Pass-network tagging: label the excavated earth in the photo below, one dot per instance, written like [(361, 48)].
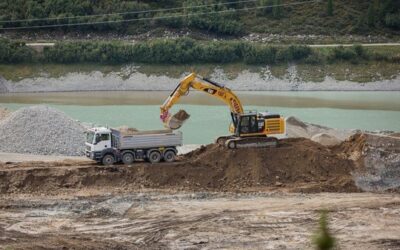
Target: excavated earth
[(271, 199), (298, 164)]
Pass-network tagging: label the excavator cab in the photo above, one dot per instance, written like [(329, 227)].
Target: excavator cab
[(247, 124)]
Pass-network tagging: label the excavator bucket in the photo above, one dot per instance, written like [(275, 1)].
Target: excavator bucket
[(176, 121)]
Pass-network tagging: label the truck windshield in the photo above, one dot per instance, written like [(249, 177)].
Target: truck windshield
[(90, 137)]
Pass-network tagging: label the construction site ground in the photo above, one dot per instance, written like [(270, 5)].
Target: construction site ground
[(212, 197)]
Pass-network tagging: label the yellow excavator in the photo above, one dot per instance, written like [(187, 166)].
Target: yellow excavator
[(248, 129)]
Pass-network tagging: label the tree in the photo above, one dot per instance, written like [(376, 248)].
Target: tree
[(371, 15), (329, 8), (266, 10), (277, 9)]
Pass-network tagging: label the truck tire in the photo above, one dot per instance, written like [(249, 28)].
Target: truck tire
[(155, 156), (169, 156), (108, 159), (128, 158)]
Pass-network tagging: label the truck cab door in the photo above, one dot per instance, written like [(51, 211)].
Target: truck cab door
[(103, 141)]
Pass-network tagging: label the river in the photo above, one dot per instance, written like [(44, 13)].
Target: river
[(377, 110)]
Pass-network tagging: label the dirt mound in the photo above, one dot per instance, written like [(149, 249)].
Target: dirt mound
[(321, 134), (296, 160), (298, 164)]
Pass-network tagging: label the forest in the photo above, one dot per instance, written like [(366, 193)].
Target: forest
[(222, 17)]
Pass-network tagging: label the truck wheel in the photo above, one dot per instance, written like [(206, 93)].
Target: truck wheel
[(155, 156), (108, 160), (128, 158), (169, 156)]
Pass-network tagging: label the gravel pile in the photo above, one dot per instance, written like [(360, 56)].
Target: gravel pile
[(4, 113), (41, 130)]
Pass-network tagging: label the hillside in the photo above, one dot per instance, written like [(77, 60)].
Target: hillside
[(226, 18)]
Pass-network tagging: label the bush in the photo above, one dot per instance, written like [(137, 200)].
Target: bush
[(220, 52), (360, 51), (293, 53), (315, 58), (323, 240), (15, 52), (342, 53), (258, 54)]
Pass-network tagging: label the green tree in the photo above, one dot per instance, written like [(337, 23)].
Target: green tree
[(329, 8), (371, 15), (323, 239), (277, 9), (267, 10)]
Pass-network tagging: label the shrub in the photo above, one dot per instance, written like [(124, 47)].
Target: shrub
[(315, 58), (220, 52), (258, 54), (360, 51), (15, 52), (293, 53), (298, 52), (323, 240), (341, 53)]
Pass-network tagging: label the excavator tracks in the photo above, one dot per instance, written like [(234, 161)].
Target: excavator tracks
[(222, 139), (252, 142)]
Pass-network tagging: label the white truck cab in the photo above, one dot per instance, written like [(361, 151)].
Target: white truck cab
[(98, 139), (109, 146)]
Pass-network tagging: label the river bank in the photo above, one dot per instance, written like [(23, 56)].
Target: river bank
[(292, 77)]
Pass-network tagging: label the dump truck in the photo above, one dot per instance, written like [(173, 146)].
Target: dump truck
[(109, 146)]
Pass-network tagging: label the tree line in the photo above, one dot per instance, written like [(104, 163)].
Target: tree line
[(188, 14), (182, 51)]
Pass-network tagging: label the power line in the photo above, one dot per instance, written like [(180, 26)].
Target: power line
[(156, 18), (125, 13)]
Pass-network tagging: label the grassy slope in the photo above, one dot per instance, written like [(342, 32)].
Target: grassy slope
[(312, 19), (301, 19)]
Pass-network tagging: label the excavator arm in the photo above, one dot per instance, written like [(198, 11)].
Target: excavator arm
[(201, 84)]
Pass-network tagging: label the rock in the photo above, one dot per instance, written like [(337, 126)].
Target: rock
[(4, 113), (3, 87)]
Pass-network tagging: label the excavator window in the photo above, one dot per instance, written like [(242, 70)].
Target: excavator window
[(248, 124), (244, 124)]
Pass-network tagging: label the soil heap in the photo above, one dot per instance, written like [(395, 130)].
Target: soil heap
[(298, 164)]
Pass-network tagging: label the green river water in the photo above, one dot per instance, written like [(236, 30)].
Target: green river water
[(209, 118)]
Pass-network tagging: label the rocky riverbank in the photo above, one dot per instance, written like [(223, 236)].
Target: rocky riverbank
[(245, 80)]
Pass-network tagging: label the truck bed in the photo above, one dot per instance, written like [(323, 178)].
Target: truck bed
[(147, 139)]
